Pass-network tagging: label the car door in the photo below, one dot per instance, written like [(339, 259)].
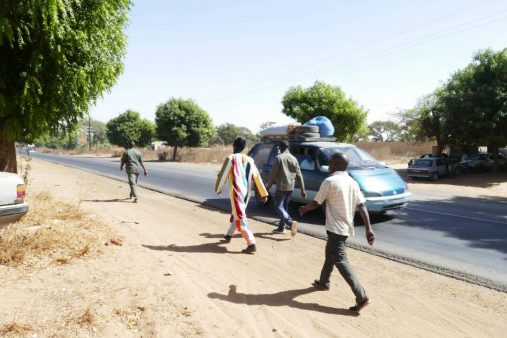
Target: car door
[(263, 155), (441, 167), (312, 176)]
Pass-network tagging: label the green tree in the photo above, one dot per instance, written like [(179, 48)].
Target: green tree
[(475, 102), (58, 57), (228, 132), (182, 123), (384, 131), (130, 127), (322, 99)]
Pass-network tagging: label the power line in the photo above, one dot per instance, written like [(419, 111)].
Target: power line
[(390, 50)]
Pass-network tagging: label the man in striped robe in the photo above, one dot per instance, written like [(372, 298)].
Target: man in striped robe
[(240, 170)]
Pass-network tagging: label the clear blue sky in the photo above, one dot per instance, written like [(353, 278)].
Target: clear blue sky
[(237, 58)]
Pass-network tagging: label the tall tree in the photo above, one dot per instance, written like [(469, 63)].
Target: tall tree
[(384, 131), (58, 56), (475, 100), (183, 123), (228, 132), (325, 100), (129, 126)]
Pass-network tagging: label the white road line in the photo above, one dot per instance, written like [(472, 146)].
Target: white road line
[(460, 216)]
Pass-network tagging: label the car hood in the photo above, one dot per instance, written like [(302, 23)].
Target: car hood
[(384, 181)]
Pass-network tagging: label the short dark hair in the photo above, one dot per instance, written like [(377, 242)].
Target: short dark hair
[(283, 145), (239, 144)]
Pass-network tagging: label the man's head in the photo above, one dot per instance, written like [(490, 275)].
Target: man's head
[(130, 144), (283, 146), (338, 162), (238, 145)]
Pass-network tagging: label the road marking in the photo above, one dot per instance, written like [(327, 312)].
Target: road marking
[(460, 216)]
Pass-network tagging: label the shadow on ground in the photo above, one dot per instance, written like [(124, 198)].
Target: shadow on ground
[(283, 298)]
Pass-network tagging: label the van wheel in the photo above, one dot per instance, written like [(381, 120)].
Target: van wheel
[(434, 177)]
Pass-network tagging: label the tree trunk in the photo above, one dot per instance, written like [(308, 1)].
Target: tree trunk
[(175, 150), (7, 153)]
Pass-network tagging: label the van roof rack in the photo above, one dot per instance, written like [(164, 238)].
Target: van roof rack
[(296, 138)]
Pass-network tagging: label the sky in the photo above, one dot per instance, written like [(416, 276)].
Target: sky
[(237, 58)]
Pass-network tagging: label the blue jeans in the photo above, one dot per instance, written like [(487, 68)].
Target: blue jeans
[(282, 199)]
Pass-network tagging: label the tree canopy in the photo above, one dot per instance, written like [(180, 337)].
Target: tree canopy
[(130, 127), (228, 132), (57, 58), (475, 101), (183, 123), (384, 131), (322, 99)]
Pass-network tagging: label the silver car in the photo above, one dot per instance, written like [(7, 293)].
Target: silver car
[(12, 198)]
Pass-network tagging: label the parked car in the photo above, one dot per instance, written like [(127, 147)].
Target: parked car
[(12, 198), (382, 187), (480, 162), (432, 168)]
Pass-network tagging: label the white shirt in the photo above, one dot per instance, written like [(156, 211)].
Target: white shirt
[(341, 194)]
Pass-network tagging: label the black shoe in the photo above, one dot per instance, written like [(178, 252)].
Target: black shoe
[(359, 305), (227, 239), (279, 231), (319, 285), (249, 249)]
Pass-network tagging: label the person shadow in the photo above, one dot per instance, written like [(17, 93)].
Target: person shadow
[(110, 200), (266, 235), (214, 247), (283, 298)]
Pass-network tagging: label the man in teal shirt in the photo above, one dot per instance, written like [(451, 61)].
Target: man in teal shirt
[(132, 160)]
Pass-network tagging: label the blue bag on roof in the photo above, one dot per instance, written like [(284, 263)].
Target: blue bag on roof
[(326, 128)]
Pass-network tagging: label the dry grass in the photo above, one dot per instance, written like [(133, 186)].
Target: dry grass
[(15, 329), (51, 230), (395, 151)]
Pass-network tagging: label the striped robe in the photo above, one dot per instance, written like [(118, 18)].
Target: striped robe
[(240, 171)]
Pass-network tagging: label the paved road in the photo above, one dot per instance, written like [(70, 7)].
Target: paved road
[(462, 237)]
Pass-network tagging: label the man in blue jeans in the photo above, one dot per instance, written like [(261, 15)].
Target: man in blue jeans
[(284, 174)]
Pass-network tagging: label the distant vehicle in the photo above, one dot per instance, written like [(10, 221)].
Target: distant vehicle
[(12, 198), (480, 162), (431, 168), (382, 187)]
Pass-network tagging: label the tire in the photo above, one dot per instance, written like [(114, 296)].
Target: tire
[(307, 129), (308, 135), (434, 177)]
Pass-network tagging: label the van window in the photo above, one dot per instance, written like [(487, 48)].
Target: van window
[(439, 162), (260, 154)]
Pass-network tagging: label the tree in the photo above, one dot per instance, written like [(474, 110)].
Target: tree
[(266, 124), (325, 100), (384, 131), (58, 57), (130, 127), (475, 102), (183, 123), (228, 132)]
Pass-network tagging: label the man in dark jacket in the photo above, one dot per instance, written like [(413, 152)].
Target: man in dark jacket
[(284, 174), (132, 160)]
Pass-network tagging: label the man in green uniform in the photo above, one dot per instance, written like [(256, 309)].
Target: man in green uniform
[(133, 161)]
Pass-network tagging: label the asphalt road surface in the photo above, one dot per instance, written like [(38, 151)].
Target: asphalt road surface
[(462, 237)]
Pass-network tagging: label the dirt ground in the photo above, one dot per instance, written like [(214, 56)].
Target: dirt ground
[(172, 278)]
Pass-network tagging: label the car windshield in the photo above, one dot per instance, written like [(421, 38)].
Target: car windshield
[(422, 163), (358, 159)]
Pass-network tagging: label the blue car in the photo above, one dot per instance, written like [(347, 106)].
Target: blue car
[(382, 187)]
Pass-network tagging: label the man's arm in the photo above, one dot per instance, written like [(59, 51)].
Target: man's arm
[(122, 162), (370, 235), (274, 173), (301, 181), (222, 175), (308, 207)]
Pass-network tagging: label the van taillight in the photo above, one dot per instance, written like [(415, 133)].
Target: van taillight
[(20, 193)]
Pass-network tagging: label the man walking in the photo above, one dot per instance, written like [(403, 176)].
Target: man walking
[(342, 195), (285, 172), (239, 169), (132, 160)]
